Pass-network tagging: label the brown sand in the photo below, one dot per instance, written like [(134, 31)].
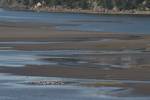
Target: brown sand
[(69, 39), (82, 72)]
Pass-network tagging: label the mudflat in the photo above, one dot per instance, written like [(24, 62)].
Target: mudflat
[(98, 55), (30, 49)]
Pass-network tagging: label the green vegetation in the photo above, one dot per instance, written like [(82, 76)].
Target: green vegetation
[(81, 4)]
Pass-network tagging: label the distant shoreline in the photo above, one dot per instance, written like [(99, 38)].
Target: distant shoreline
[(136, 13), (97, 13)]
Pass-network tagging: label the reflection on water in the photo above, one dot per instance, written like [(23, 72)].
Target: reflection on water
[(77, 58), (35, 88), (15, 87), (14, 58)]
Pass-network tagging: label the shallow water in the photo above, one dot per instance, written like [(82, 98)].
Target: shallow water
[(33, 88), (74, 58), (82, 22), (26, 42), (15, 88)]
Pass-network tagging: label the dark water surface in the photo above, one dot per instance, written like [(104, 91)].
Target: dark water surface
[(82, 22)]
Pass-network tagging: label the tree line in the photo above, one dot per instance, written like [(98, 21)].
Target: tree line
[(83, 4)]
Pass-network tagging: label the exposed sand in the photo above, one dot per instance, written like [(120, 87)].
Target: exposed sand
[(68, 39), (82, 72)]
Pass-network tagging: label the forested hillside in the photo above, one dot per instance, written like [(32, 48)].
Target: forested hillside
[(80, 4)]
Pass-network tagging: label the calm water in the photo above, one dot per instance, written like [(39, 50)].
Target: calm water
[(82, 22)]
